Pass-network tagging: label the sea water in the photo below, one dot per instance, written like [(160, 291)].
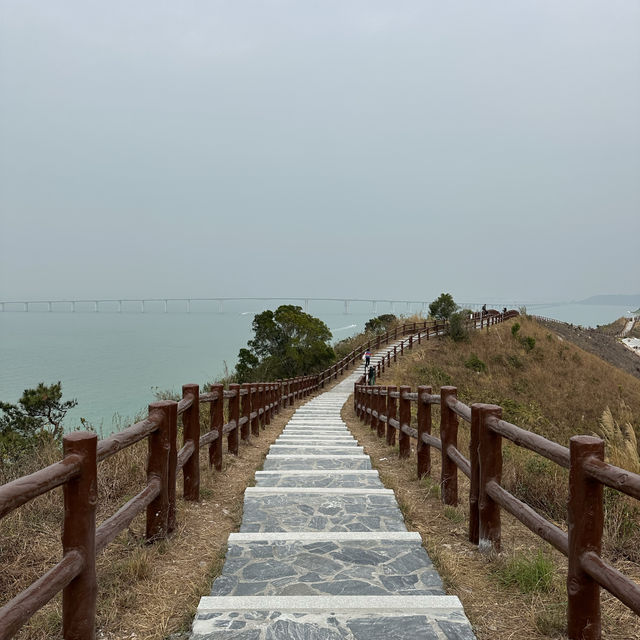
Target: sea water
[(112, 363)]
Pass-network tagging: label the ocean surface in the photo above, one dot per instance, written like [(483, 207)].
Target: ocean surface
[(113, 362)]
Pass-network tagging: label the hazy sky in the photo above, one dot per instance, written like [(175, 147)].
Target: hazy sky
[(319, 148)]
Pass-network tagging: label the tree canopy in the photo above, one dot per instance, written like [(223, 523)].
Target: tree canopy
[(287, 342), (443, 306), (380, 324), (39, 412)]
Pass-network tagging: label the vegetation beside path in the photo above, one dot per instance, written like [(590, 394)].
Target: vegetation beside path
[(548, 386)]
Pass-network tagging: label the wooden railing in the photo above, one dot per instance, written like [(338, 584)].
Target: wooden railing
[(248, 408), (387, 409)]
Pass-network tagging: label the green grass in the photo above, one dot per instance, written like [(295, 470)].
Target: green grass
[(528, 573), (451, 513)]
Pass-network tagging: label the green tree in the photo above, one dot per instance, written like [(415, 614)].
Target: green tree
[(287, 342), (380, 324), (39, 412), (443, 306)]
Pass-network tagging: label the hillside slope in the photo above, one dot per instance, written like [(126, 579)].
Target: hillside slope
[(555, 388)]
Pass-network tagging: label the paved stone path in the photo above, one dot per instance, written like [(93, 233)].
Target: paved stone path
[(323, 552)]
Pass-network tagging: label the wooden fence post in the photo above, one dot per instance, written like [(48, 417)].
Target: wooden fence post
[(367, 404), (401, 347), (490, 451), (474, 481), (585, 520), (424, 426), (191, 433), (272, 401), (216, 414), (374, 408), (173, 465), (392, 412), (395, 353), (404, 440), (267, 402), (382, 409), (234, 416), (255, 405), (158, 470), (245, 430), (449, 437), (79, 534)]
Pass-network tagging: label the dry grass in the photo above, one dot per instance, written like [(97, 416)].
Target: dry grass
[(145, 591)]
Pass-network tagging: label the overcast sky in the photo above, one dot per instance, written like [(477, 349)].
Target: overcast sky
[(319, 148)]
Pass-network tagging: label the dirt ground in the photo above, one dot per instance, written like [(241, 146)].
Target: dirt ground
[(594, 341)]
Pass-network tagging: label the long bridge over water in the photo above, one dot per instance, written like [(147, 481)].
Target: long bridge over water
[(217, 304)]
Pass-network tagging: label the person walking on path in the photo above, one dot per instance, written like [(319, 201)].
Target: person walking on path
[(367, 359)]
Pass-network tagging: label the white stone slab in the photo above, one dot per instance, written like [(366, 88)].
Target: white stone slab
[(315, 472), (288, 447), (321, 536), (320, 490), (321, 456), (395, 604)]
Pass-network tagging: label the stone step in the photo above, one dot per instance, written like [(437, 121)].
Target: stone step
[(302, 427), (307, 437), (332, 478), (331, 618), (308, 450), (323, 511), (324, 566), (297, 441), (317, 462)]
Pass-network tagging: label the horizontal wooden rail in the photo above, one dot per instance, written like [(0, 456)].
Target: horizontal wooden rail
[(125, 438), (22, 490), (119, 521), (614, 477)]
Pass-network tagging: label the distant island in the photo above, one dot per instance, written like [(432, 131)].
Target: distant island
[(612, 299)]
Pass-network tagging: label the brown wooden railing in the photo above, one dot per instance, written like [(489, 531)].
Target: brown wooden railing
[(387, 409), (248, 407)]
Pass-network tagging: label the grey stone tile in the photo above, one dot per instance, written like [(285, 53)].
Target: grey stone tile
[(354, 567)]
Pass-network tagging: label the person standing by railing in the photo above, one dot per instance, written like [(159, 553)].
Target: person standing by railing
[(371, 377)]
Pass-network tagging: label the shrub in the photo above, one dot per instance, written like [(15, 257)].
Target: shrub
[(434, 376), (515, 327), (528, 342), (475, 364), (515, 362), (457, 327)]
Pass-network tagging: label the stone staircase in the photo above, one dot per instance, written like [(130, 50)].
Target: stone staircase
[(323, 552)]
